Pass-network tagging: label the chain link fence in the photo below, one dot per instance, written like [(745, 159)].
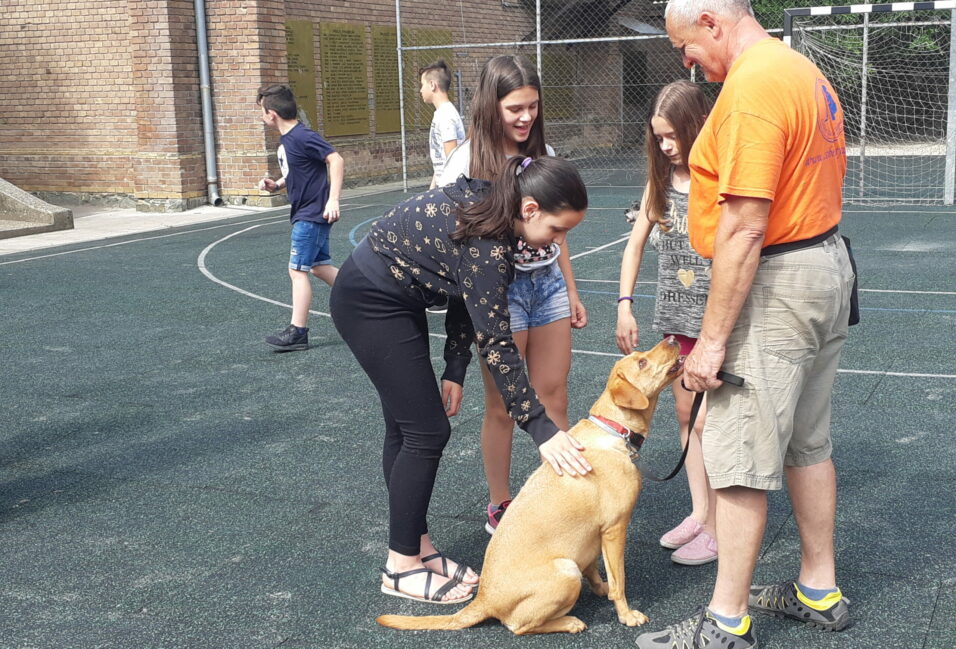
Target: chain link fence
[(891, 70), (601, 64)]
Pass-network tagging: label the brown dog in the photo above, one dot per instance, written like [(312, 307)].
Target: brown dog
[(556, 527)]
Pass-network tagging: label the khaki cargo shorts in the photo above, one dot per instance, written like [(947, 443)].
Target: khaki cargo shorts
[(786, 345)]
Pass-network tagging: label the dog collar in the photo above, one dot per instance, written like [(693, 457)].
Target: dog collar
[(633, 439)]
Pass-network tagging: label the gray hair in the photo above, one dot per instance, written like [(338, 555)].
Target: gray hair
[(686, 12)]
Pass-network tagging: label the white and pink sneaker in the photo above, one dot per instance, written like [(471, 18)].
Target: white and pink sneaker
[(703, 549), (682, 534)]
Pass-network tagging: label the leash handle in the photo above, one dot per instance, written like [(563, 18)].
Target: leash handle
[(726, 377), (733, 379)]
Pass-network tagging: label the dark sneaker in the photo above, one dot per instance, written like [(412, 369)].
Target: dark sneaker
[(289, 339), (495, 512), (699, 631), (831, 613)]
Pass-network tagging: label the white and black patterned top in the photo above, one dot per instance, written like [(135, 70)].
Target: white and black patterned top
[(526, 257), (683, 276), (413, 241)]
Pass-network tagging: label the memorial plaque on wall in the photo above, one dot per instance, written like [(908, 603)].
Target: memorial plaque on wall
[(300, 52), (410, 80), (344, 79), (558, 81), (385, 71)]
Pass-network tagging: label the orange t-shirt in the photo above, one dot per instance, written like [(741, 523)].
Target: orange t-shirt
[(775, 132)]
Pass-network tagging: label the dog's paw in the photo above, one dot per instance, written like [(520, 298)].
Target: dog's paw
[(633, 618), (576, 626)]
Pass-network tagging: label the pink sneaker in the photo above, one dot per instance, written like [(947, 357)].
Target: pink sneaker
[(703, 549), (682, 534), (495, 512)]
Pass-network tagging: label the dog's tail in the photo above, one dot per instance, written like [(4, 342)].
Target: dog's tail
[(466, 617)]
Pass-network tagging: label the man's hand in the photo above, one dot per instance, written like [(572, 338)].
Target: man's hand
[(701, 365), (331, 213), (451, 394), (268, 185)]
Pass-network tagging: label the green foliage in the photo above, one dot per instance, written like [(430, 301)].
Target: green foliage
[(770, 12), (926, 42)]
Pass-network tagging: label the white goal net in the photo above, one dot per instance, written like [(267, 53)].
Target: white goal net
[(892, 71)]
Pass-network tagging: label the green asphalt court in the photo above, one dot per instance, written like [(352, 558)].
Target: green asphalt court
[(167, 481)]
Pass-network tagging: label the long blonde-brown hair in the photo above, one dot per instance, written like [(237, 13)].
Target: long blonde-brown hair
[(499, 77), (685, 106)]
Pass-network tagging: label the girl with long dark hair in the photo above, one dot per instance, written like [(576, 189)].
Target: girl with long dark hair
[(453, 245)]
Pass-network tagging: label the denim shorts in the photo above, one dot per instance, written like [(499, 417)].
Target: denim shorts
[(538, 297), (310, 245), (786, 344)]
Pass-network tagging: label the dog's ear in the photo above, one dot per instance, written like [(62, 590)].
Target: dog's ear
[(625, 395)]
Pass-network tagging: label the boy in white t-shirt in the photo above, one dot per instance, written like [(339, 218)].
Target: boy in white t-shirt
[(447, 130)]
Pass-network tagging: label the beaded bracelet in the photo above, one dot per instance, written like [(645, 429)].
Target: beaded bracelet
[(626, 297)]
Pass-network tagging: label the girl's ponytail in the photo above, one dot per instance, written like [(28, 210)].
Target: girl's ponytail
[(554, 183)]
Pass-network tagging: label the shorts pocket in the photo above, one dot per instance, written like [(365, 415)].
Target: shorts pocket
[(792, 320)]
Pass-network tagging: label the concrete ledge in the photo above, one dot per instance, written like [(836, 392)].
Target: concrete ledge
[(18, 206), (10, 229)]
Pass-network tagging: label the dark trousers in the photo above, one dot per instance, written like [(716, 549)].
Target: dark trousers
[(387, 331)]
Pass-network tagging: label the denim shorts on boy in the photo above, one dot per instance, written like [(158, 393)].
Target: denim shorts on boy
[(786, 344), (310, 245), (538, 297)]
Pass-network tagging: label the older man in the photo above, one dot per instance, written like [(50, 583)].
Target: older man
[(765, 200)]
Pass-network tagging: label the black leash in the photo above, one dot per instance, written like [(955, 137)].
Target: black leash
[(726, 377)]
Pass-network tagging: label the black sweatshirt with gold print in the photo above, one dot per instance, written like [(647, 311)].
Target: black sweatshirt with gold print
[(412, 241)]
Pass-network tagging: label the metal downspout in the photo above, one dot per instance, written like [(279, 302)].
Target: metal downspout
[(208, 132)]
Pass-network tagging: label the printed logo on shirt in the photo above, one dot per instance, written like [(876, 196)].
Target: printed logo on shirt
[(283, 161), (830, 120), (676, 219)]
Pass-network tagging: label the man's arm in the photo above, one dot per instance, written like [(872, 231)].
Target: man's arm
[(739, 238), (336, 167)]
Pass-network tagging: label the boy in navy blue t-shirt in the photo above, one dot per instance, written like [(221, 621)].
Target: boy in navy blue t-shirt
[(312, 174)]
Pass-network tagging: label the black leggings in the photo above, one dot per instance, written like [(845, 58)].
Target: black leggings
[(387, 331)]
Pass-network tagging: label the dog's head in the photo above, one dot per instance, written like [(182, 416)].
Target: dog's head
[(635, 383)]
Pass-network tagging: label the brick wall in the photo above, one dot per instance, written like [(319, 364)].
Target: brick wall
[(102, 98), (67, 102)]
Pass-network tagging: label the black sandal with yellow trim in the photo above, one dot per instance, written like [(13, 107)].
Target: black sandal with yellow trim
[(429, 597)]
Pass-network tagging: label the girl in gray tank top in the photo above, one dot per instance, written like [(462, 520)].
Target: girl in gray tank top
[(683, 282)]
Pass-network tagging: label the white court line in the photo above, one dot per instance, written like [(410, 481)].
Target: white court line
[(606, 245), (123, 243), (895, 211), (906, 374), (886, 290), (174, 234), (201, 263), (871, 372), (606, 281), (862, 290)]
